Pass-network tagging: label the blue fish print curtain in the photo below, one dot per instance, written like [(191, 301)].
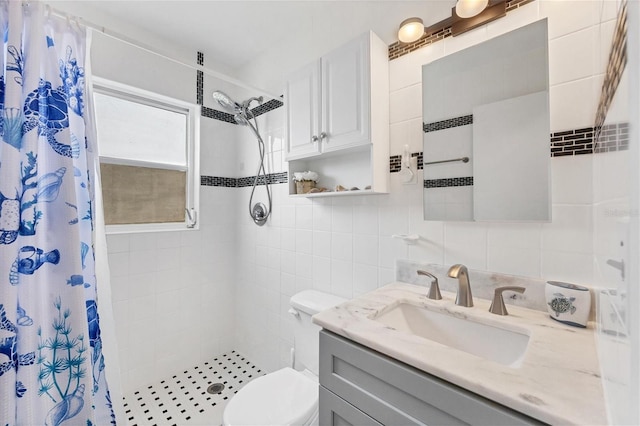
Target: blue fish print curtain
[(51, 363)]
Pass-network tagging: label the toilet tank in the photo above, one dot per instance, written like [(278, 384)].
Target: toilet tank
[(306, 334)]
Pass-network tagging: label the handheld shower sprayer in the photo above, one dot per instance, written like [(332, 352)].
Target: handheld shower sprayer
[(243, 115)]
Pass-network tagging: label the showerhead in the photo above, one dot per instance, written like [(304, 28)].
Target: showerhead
[(226, 102), (247, 103), (241, 119), (232, 106)]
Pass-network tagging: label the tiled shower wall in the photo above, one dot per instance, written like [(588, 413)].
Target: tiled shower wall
[(172, 292), (344, 245)]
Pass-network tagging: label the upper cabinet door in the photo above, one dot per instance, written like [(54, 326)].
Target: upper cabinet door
[(302, 100), (345, 116)]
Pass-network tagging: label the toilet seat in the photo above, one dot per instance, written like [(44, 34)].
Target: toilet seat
[(284, 397)]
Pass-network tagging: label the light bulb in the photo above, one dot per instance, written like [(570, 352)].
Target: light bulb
[(410, 30), (470, 8)]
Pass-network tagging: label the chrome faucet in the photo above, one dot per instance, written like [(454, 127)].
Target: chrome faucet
[(434, 289), (464, 297)]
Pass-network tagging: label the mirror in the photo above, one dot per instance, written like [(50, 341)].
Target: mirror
[(486, 153)]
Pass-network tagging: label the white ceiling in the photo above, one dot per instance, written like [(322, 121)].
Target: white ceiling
[(233, 32)]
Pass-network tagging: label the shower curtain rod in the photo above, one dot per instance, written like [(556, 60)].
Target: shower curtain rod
[(135, 43)]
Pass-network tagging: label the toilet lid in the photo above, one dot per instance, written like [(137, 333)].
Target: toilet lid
[(283, 397)]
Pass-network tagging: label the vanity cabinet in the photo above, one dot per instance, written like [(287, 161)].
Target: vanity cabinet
[(360, 386), (337, 111)]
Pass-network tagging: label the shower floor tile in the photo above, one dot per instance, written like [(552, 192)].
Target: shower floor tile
[(182, 399)]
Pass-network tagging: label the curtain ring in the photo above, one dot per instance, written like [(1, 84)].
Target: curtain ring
[(47, 11)]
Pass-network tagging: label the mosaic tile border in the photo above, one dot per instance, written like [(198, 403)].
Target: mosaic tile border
[(615, 67), (572, 142), (229, 118), (215, 114), (226, 182), (612, 137), (395, 162), (271, 179), (218, 181), (399, 49), (448, 182), (200, 80), (270, 105), (447, 124)]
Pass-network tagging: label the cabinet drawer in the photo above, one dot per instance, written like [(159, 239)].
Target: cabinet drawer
[(335, 411), (394, 393)]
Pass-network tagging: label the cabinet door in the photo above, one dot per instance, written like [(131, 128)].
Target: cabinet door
[(302, 99), (394, 393), (335, 411), (346, 96)]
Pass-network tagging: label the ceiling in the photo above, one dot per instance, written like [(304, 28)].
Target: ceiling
[(233, 32)]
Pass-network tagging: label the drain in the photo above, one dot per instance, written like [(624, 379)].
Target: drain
[(215, 388)]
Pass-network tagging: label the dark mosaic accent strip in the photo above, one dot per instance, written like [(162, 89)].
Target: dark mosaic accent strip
[(420, 159), (229, 118), (612, 137), (449, 182), (217, 115), (572, 142), (438, 33), (266, 107), (395, 163), (272, 179), (447, 124), (200, 80), (615, 67), (200, 87), (514, 4), (218, 181), (399, 49)]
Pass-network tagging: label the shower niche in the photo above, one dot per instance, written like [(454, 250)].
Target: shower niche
[(337, 110)]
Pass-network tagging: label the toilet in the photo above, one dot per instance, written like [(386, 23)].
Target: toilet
[(287, 396)]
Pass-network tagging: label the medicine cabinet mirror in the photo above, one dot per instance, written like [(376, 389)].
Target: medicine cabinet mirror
[(486, 130)]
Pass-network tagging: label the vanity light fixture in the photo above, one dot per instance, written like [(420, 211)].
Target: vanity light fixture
[(411, 30), (470, 8)]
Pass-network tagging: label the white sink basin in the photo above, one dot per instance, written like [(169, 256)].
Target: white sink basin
[(503, 346)]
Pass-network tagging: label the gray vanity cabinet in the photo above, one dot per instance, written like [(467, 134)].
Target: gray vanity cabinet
[(359, 386)]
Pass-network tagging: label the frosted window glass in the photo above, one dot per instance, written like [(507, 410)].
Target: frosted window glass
[(135, 131)]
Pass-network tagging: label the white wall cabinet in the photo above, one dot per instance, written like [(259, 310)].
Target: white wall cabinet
[(338, 117)]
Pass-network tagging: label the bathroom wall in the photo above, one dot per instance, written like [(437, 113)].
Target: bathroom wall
[(172, 291), (615, 233), (345, 246)]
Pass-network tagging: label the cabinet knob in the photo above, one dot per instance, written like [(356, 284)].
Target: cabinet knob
[(323, 135), (314, 138)]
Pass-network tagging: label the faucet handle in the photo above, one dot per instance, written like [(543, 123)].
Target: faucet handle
[(434, 289), (497, 305)]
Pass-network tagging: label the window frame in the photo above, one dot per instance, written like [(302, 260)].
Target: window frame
[(192, 113)]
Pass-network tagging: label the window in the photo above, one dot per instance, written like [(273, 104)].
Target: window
[(148, 147)]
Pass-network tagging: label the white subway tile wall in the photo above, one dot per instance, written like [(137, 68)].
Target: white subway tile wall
[(353, 250), (182, 297)]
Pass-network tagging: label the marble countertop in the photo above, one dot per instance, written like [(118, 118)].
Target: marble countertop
[(558, 381)]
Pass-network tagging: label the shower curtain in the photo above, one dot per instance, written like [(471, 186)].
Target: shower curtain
[(51, 365)]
